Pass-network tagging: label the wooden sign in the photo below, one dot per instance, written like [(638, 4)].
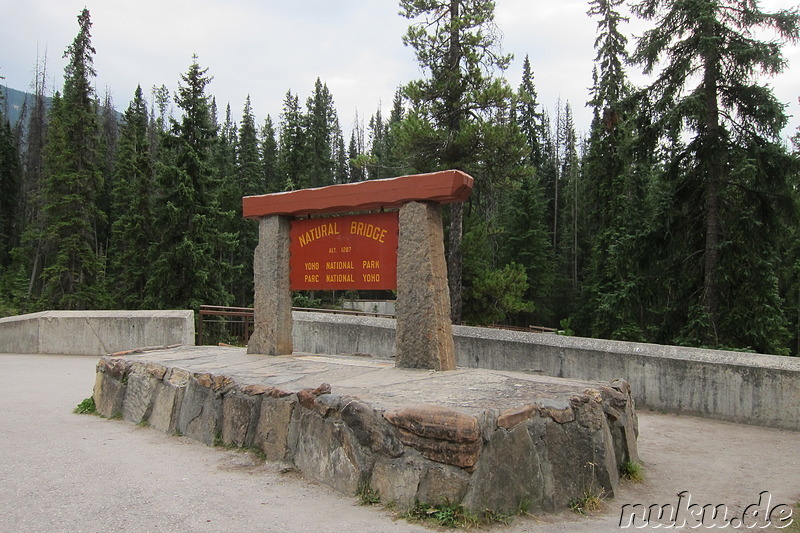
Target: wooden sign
[(344, 253)]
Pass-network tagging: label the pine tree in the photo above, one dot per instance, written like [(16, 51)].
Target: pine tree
[(320, 124), (615, 191), (456, 44), (132, 229), (356, 151), (33, 249), (224, 160), (189, 259), (340, 162), (248, 161), (73, 276), (249, 170), (729, 180), (392, 160), (10, 189), (270, 181), (291, 147), (109, 137), (573, 199), (527, 115), (377, 143)]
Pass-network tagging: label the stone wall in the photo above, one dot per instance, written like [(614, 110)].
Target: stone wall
[(738, 387), (539, 454), (94, 332)]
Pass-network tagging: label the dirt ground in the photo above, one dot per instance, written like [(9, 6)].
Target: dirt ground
[(65, 472)]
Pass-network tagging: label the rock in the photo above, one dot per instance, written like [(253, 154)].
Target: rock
[(436, 422), (579, 454), (439, 434), (277, 393), (487, 422), (463, 454), (371, 429), (326, 450), (272, 429), (139, 393), (156, 370), (397, 480), (167, 399), (442, 484), (308, 397), (424, 331), (562, 416), (201, 410), (327, 404), (511, 418), (240, 415), (116, 367), (272, 334), (504, 485), (255, 390), (623, 423), (108, 394)]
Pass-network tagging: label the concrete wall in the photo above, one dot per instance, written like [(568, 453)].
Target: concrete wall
[(381, 307), (739, 387), (94, 332)]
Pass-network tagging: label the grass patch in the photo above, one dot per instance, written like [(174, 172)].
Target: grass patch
[(453, 516), (258, 452), (632, 471), (86, 407), (219, 442), (588, 502), (367, 496)]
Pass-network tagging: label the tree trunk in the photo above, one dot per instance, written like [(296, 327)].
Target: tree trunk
[(711, 161), (455, 261), (454, 255)]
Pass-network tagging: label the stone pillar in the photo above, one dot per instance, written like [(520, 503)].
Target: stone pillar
[(424, 332), (273, 298)]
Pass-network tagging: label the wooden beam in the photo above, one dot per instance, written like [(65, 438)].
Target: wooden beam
[(442, 187)]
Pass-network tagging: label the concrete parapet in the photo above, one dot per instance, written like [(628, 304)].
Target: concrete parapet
[(343, 334), (739, 387), (94, 332)]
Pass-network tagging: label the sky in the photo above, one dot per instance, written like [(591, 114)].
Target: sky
[(263, 48)]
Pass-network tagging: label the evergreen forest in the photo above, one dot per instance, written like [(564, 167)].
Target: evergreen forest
[(673, 220)]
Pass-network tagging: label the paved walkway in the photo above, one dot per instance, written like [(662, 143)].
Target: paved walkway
[(73, 473)]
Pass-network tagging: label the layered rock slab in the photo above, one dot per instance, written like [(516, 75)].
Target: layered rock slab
[(485, 439)]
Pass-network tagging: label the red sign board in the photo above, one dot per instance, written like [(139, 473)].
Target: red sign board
[(343, 253)]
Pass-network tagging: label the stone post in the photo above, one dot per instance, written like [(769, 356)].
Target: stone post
[(273, 298), (424, 332)]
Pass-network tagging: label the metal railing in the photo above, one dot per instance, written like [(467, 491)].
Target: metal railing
[(230, 325)]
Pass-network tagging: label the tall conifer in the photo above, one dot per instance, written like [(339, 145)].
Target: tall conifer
[(456, 43), (73, 276), (731, 179), (190, 259), (132, 228)]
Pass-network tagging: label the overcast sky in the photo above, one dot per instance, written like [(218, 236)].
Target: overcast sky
[(265, 47)]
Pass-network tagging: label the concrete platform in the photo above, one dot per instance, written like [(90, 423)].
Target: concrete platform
[(487, 439)]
